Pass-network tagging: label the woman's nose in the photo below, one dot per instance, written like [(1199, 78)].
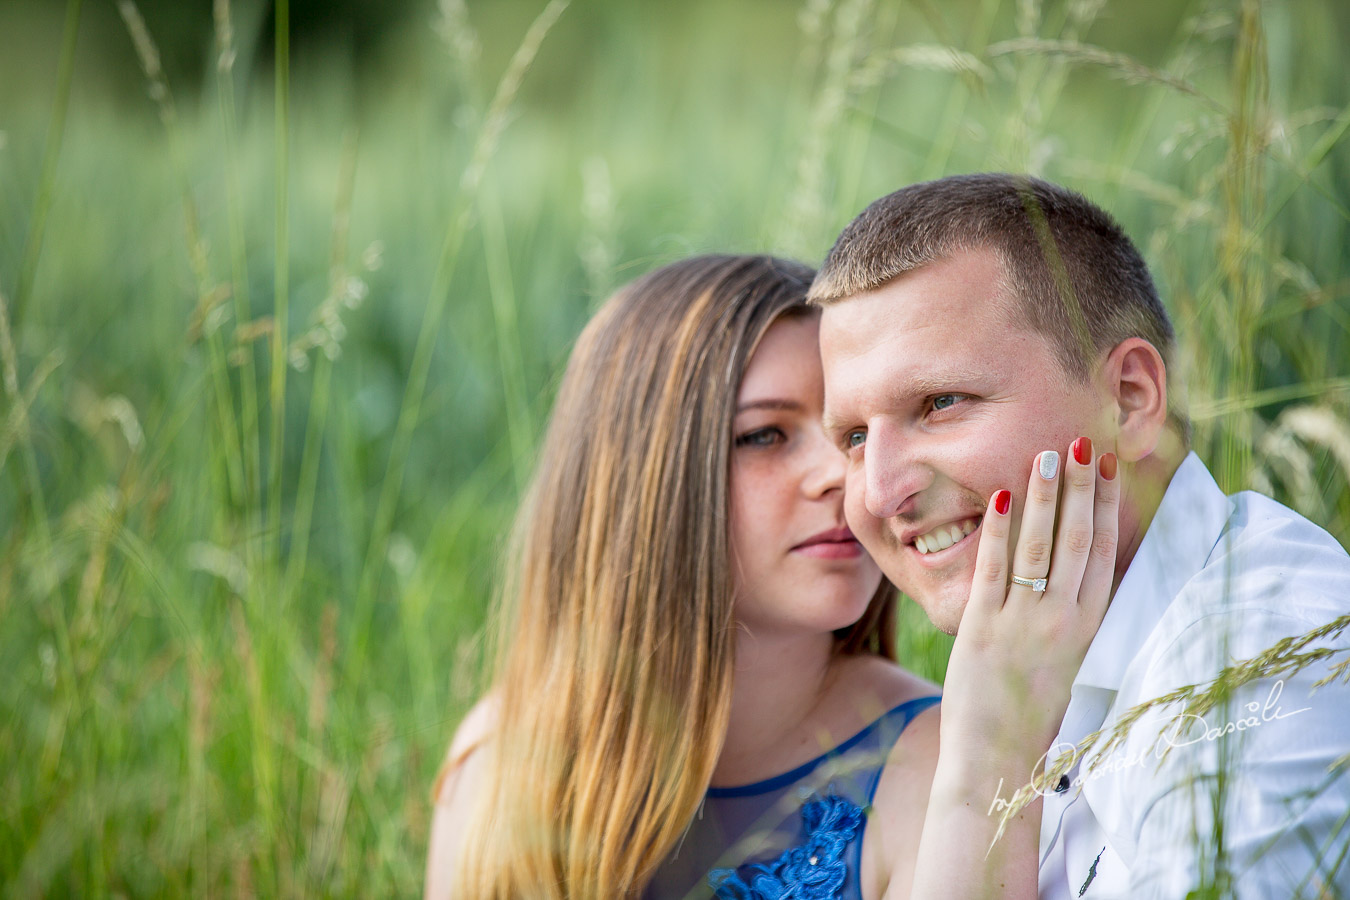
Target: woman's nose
[(828, 468)]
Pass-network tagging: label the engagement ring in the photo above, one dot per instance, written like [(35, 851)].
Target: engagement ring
[(1036, 584)]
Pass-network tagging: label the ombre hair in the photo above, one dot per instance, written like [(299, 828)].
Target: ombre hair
[(613, 682)]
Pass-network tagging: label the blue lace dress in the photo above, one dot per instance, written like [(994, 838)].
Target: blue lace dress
[(796, 836)]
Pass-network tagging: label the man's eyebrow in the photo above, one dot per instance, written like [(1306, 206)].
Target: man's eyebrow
[(906, 387), (833, 423), (925, 383), (770, 403)]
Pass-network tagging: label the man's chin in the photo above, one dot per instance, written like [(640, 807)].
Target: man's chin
[(946, 624), (949, 625), (942, 594), (943, 611)]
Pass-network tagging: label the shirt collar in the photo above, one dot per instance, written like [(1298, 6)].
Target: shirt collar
[(1187, 525)]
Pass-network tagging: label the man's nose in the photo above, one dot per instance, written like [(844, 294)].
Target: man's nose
[(892, 476)]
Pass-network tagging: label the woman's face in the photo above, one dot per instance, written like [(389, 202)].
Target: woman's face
[(797, 567)]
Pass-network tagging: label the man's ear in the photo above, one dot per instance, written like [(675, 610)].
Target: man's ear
[(1136, 380)]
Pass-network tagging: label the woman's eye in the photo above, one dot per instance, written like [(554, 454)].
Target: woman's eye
[(944, 401), (760, 437), (855, 439)]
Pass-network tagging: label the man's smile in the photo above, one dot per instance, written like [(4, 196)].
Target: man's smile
[(945, 535)]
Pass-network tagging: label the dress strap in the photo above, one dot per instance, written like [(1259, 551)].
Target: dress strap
[(903, 713)]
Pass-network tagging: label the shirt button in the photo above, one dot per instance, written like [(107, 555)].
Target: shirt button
[(1063, 784)]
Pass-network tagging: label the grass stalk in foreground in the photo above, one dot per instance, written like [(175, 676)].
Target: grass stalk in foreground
[(505, 318), (261, 636), (805, 202), (65, 73), (281, 279), (256, 624), (19, 409), (1243, 180), (248, 385), (205, 317), (307, 488), (410, 410), (954, 110)]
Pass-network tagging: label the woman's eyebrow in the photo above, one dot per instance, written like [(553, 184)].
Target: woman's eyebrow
[(770, 403)]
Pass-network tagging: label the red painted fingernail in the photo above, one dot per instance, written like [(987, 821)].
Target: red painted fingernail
[(1108, 466), (1082, 450), (1002, 500)]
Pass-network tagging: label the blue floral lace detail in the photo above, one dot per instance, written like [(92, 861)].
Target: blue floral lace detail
[(814, 870)]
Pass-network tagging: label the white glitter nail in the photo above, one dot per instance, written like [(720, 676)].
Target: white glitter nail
[(1049, 464)]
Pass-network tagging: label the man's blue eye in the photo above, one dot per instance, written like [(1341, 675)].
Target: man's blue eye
[(856, 438), (942, 401)]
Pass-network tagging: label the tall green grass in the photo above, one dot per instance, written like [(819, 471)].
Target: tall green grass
[(276, 352)]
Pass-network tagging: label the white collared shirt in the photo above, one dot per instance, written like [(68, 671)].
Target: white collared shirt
[(1217, 579)]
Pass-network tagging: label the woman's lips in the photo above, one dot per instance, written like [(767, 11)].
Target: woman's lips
[(831, 550), (837, 543)]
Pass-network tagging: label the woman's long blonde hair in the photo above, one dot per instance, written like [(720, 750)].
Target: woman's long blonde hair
[(613, 684)]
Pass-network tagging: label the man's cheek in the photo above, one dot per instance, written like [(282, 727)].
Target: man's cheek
[(857, 519), (854, 508)]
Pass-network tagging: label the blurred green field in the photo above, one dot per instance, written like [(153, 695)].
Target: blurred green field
[(273, 373)]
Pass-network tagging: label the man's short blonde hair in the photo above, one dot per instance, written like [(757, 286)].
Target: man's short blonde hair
[(1072, 273)]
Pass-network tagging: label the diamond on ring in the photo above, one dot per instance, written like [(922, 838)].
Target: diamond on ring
[(1037, 585)]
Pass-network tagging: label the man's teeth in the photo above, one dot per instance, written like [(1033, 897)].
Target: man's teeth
[(944, 536)]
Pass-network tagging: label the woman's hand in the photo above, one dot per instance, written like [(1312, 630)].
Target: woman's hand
[(1016, 653), (1018, 649)]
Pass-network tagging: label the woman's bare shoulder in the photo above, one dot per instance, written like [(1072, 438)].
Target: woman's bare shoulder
[(474, 730), (455, 793), (908, 773), (883, 683)]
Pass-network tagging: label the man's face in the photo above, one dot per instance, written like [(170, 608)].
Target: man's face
[(940, 400)]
